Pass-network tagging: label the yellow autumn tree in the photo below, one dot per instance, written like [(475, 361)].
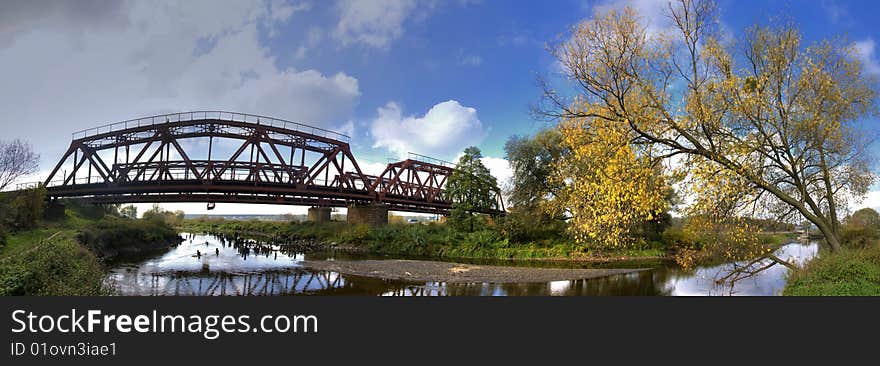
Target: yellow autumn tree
[(607, 185), (773, 119)]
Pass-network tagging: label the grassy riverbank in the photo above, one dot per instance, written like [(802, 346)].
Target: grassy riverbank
[(852, 272), (65, 255), (428, 240)]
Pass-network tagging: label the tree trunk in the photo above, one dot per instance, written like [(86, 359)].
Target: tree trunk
[(830, 236)]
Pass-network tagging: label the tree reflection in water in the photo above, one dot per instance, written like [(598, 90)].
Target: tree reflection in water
[(248, 267)]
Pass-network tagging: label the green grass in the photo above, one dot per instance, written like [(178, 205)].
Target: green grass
[(62, 257), (851, 272), (72, 221)]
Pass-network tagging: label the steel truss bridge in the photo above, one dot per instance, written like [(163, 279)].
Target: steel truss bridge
[(213, 156)]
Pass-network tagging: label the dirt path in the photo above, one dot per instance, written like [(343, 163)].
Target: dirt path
[(427, 271)]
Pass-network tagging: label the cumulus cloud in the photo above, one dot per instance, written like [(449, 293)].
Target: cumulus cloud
[(446, 129), (373, 23), (65, 68), (500, 169), (866, 53), (872, 200)]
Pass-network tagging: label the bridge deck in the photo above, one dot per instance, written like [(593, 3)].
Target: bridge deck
[(239, 158)]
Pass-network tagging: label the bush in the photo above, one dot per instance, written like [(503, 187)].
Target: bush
[(22, 210), (112, 236), (522, 226), (60, 267), (849, 272), (356, 234), (859, 237), (861, 229), (675, 236)]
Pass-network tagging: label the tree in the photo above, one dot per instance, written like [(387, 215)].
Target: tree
[(532, 162), (156, 213), (865, 217), (25, 209), (129, 211), (607, 185), (861, 229), (471, 186), (764, 124), (17, 159)]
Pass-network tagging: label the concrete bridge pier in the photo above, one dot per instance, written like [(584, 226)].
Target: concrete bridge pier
[(375, 214), (319, 214)]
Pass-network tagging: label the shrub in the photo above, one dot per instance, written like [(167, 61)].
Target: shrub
[(523, 226), (110, 236), (861, 229), (675, 236), (60, 267), (356, 234), (849, 272), (22, 210)]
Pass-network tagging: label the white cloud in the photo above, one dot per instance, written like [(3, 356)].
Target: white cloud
[(446, 129), (835, 11), (373, 23), (866, 53), (65, 68), (872, 200), (652, 12), (468, 60), (500, 169)]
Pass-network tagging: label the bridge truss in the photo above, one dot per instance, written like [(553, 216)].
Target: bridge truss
[(238, 158)]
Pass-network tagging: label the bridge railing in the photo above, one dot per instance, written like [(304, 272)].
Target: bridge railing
[(205, 115), (428, 159), (181, 176)]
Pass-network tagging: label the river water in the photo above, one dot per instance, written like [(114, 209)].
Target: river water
[(207, 265)]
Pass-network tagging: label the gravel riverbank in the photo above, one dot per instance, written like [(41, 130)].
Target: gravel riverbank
[(430, 271)]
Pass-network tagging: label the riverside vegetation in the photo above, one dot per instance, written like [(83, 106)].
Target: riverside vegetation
[(854, 271), (761, 133), (62, 251), (514, 236)]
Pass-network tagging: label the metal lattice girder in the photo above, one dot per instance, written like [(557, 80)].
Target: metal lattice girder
[(264, 160)]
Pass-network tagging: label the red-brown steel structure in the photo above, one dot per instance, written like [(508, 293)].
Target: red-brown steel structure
[(271, 161)]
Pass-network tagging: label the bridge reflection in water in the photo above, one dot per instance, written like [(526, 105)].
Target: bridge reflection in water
[(299, 281), (217, 265), (208, 265)]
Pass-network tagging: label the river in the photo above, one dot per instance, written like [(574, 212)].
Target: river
[(259, 269)]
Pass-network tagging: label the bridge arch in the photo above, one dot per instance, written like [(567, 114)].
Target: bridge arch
[(217, 156)]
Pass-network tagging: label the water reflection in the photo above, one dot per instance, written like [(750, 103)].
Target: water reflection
[(207, 265)]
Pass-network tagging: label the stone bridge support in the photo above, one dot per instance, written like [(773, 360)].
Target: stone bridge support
[(375, 214), (319, 214)]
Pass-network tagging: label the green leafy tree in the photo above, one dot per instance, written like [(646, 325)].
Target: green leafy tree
[(472, 187), (532, 160), (25, 210)]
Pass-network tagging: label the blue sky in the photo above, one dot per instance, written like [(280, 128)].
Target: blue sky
[(399, 75)]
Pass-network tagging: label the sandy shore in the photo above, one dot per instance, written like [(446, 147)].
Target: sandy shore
[(429, 271)]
